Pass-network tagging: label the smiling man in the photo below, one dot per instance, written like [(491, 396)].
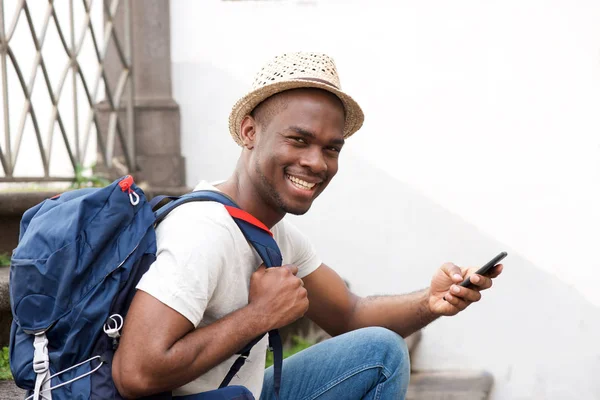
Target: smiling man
[(293, 159), (207, 295)]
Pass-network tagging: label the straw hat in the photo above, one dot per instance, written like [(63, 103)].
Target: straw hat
[(292, 71)]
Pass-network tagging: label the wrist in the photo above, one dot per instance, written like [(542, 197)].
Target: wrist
[(259, 320), (428, 312)]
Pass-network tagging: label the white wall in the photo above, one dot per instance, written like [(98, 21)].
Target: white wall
[(480, 130)]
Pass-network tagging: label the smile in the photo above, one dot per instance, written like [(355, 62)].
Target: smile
[(299, 183)]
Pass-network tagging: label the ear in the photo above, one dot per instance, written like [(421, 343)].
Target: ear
[(248, 132)]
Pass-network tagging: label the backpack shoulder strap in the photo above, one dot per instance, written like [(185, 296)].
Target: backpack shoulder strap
[(255, 232)]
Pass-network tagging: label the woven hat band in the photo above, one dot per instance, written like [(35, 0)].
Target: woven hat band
[(318, 80)]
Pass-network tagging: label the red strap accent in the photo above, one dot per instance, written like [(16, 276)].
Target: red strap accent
[(244, 216)]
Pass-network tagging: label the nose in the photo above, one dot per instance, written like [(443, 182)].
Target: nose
[(314, 160)]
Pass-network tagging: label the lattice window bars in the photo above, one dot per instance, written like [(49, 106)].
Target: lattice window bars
[(117, 112)]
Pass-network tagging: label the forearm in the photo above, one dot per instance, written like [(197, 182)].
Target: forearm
[(191, 356), (204, 348), (403, 314)]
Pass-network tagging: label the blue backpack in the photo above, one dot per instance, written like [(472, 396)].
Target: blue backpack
[(73, 276)]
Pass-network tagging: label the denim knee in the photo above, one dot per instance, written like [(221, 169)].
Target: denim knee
[(390, 347), (370, 363)]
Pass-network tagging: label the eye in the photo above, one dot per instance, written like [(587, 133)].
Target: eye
[(332, 152), (298, 139)]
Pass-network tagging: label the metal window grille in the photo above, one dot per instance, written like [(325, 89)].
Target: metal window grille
[(68, 63)]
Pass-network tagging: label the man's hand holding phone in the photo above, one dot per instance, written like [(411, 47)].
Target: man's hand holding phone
[(453, 288)]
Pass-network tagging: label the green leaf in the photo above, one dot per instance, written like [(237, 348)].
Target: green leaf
[(4, 260), (5, 373), (298, 344), (81, 181)]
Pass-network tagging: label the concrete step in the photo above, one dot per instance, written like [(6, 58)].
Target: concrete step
[(10, 391), (449, 385), (431, 385), (424, 385)]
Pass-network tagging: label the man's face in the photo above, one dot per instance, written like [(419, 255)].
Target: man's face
[(296, 148)]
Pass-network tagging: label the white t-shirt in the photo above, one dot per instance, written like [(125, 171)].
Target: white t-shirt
[(203, 269)]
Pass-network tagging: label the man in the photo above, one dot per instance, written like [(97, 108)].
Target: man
[(206, 296)]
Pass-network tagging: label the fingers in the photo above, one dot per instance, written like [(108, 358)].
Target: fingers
[(457, 302), (453, 271), (461, 297), (497, 270), (481, 282), (293, 269), (470, 295), (491, 274)]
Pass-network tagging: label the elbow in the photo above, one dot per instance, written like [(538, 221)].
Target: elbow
[(130, 388), (130, 380)]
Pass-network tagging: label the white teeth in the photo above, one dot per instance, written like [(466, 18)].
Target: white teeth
[(300, 183)]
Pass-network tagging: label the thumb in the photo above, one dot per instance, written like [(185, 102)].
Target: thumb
[(453, 272), (261, 268)]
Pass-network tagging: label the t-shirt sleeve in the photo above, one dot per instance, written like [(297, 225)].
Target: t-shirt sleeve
[(191, 249), (297, 249)]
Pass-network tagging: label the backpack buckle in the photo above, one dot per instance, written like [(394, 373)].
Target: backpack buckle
[(41, 361)]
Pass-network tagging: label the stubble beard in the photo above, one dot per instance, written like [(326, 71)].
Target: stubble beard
[(272, 196)]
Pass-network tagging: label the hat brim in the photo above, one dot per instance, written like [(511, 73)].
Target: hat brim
[(245, 105)]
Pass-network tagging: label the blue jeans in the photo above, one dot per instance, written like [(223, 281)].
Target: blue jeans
[(369, 363)]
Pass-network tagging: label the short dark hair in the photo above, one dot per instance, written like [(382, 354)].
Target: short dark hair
[(265, 111)]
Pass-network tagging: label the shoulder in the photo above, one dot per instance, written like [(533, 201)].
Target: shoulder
[(296, 248), (209, 212), (196, 220), (285, 230)]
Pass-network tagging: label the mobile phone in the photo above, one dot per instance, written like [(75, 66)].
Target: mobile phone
[(482, 271)]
